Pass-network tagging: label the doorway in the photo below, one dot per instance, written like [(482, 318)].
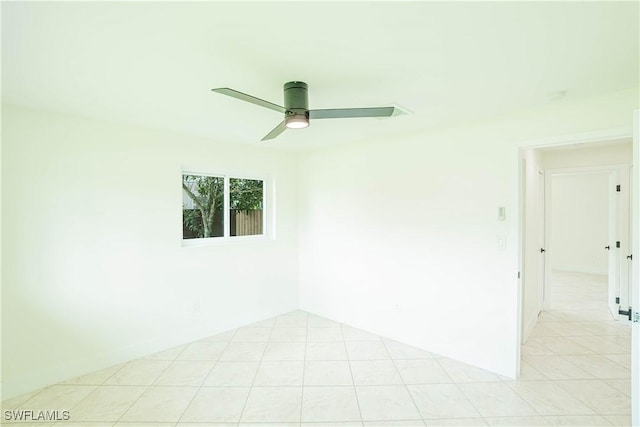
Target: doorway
[(586, 228), (557, 337), (578, 169)]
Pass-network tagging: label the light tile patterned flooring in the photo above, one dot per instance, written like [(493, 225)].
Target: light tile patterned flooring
[(301, 369)]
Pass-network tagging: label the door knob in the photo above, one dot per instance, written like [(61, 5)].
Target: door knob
[(607, 247), (542, 250)]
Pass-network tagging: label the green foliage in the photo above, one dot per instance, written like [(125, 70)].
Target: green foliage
[(246, 194), (208, 190), (207, 193), (192, 221)]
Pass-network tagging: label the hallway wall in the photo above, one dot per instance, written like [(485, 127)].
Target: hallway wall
[(580, 222), (580, 155)]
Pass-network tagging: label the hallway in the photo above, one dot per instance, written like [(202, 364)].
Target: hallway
[(577, 347)]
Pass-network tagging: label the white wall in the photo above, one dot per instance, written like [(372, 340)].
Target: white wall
[(580, 221), (576, 245), (94, 271), (614, 152), (401, 237)]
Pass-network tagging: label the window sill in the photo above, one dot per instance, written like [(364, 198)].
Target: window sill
[(216, 241)]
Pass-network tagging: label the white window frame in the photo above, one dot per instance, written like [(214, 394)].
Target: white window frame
[(227, 237)]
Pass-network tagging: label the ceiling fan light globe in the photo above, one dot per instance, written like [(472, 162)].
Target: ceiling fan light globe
[(296, 122)]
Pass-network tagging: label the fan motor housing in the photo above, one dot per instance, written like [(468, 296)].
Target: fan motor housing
[(296, 102), (296, 96)]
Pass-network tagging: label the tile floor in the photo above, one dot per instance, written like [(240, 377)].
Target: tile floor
[(299, 369)]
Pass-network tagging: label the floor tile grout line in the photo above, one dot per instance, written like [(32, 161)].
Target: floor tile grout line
[(304, 365), (577, 366), (80, 401), (462, 391), (554, 384), (148, 386), (244, 407), (613, 361), (22, 402), (545, 377), (186, 408), (585, 402), (406, 387), (103, 384), (353, 381), (97, 387)]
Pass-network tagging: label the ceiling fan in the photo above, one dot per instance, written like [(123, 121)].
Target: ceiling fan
[(296, 108)]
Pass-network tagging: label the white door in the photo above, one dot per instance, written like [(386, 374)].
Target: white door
[(619, 243), (542, 256), (624, 237), (613, 281)]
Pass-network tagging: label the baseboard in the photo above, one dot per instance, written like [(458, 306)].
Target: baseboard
[(50, 375)]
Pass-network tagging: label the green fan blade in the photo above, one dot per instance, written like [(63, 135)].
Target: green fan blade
[(342, 113), (248, 98), (276, 131)]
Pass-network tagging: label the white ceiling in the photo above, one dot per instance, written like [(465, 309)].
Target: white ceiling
[(154, 63)]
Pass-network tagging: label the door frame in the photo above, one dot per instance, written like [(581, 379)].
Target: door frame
[(634, 225), (621, 173), (597, 136)]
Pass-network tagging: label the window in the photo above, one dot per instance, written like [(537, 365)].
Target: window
[(202, 206), (245, 207), (221, 206)]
